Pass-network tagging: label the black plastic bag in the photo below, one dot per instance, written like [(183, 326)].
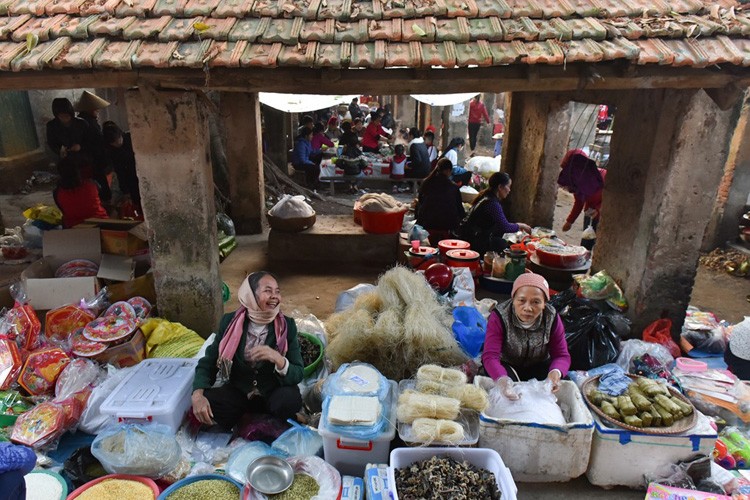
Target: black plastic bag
[(82, 467)]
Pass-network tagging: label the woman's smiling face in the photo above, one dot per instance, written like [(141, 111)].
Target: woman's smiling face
[(268, 294)]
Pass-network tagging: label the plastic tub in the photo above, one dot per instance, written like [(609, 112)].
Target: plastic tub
[(194, 479), (464, 258), (313, 367), (423, 257), (486, 459), (58, 478), (148, 482), (562, 261), (445, 245), (382, 222)]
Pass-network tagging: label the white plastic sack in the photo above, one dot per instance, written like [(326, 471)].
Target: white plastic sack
[(138, 449), (536, 404), (484, 165), (346, 298), (202, 351), (92, 421), (291, 207), (463, 286)]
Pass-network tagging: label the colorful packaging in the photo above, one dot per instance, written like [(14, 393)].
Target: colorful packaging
[(376, 482), (352, 488), (25, 325), (661, 492), (65, 320), (41, 370), (10, 362), (39, 426)]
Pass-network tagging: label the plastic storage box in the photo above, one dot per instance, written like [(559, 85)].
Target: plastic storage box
[(350, 456), (157, 390), (487, 459), (620, 457), (542, 453)]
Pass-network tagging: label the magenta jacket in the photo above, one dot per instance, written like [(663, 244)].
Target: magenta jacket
[(493, 347)]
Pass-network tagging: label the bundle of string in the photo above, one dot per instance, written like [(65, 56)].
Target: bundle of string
[(470, 396), (430, 430), (413, 405)]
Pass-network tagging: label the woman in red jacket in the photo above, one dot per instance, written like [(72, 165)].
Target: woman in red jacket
[(77, 199), (580, 176)]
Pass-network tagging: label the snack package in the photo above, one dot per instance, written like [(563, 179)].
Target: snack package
[(39, 426), (63, 321), (41, 370), (10, 362)]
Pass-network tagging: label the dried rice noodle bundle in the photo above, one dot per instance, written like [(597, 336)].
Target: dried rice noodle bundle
[(440, 375), (408, 286), (471, 396), (353, 339), (335, 322), (427, 340), (429, 430), (369, 301), (413, 405)]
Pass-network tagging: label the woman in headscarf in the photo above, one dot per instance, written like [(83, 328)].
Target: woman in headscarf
[(257, 357), (580, 176)]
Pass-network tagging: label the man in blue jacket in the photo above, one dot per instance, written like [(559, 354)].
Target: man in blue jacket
[(307, 159)]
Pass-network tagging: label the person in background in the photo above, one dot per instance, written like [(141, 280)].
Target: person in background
[(372, 135), (89, 106), (460, 175), (419, 158), (429, 140), (66, 134), (525, 338), (352, 161), (77, 199), (486, 222), (580, 176), (354, 109), (319, 138), (439, 206), (307, 159), (387, 120), (499, 121), (306, 122), (343, 113), (118, 147), (347, 134), (398, 166), (477, 113), (257, 356), (737, 354), (333, 132), (358, 128)]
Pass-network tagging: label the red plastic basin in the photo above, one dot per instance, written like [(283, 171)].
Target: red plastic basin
[(382, 222)]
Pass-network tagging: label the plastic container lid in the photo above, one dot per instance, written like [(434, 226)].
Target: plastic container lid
[(691, 365), (461, 254)]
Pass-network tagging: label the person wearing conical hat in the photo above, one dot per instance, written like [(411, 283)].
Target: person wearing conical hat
[(88, 106)]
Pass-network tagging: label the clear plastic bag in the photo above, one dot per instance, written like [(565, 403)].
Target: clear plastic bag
[(635, 348), (80, 374), (149, 450), (328, 478), (243, 456), (60, 323), (601, 286), (92, 421), (536, 404), (346, 298), (298, 440), (25, 324)]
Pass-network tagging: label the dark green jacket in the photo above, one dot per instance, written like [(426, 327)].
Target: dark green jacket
[(243, 376)]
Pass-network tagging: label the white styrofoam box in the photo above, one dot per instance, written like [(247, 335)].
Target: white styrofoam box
[(486, 459), (157, 390), (620, 457), (542, 453), (351, 456)]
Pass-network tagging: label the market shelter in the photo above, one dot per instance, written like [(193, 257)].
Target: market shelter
[(650, 58)]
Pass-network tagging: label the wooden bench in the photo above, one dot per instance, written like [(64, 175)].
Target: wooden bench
[(332, 180)]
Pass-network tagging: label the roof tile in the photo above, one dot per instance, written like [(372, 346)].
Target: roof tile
[(354, 32), (79, 54), (739, 26), (228, 54), (175, 8), (425, 8), (282, 30), (233, 8), (116, 55), (488, 28), (654, 51), (318, 31), (556, 8), (385, 30), (617, 8), (564, 31), (461, 8), (522, 28), (547, 52), (661, 27), (582, 51), (33, 7), (100, 7), (40, 26), (507, 52), (74, 27), (260, 55), (498, 8), (112, 26), (586, 8), (337, 9), (294, 55), (625, 26), (419, 30), (200, 7), (306, 9), (267, 8), (333, 56), (398, 9), (8, 52), (249, 29), (154, 54), (706, 27), (63, 7), (687, 53), (145, 28), (649, 7), (685, 6), (618, 48), (525, 8), (403, 55), (5, 5), (179, 29), (368, 55), (474, 54), (438, 54), (453, 30), (366, 9), (587, 28), (193, 54), (40, 56), (138, 8), (720, 50), (742, 44), (219, 28), (9, 24), (547, 30)]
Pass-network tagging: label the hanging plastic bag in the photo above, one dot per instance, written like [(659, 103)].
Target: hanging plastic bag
[(659, 332), (328, 478), (601, 286), (589, 233), (299, 440), (469, 328), (593, 332), (149, 450), (536, 404)]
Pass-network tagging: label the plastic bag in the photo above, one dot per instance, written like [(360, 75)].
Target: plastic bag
[(60, 323), (299, 440), (328, 478), (589, 233), (593, 332), (704, 332), (25, 325), (632, 349), (165, 339), (291, 207), (536, 404), (40, 427), (469, 329), (261, 427), (92, 420), (601, 286), (243, 456), (659, 332), (80, 375), (462, 292), (48, 214), (346, 298), (82, 467), (149, 450)]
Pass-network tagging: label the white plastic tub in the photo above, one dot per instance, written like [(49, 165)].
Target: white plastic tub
[(542, 453), (157, 390), (486, 459), (351, 456), (620, 457)]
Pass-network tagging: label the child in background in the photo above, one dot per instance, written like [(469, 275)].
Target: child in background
[(398, 165), (429, 140)]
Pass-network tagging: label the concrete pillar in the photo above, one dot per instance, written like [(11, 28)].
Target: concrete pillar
[(170, 139), (536, 138), (277, 129), (734, 188), (240, 113), (662, 179)]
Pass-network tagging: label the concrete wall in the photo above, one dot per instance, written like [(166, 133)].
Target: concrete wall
[(582, 124)]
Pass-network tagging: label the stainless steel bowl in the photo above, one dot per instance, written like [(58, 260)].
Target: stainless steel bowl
[(270, 475)]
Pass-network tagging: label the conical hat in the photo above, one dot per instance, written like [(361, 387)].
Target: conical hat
[(90, 102)]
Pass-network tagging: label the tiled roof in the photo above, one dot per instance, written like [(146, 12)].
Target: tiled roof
[(132, 34)]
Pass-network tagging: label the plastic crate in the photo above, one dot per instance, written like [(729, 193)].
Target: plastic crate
[(158, 390), (486, 459)]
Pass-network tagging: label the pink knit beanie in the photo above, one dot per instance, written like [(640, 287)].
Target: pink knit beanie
[(531, 279)]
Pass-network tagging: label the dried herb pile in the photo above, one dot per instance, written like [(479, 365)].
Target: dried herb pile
[(445, 477)]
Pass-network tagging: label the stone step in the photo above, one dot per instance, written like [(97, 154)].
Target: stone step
[(333, 238)]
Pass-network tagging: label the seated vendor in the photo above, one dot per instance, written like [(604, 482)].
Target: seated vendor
[(257, 357), (525, 336)]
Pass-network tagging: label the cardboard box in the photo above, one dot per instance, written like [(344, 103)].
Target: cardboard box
[(121, 237), (47, 292)]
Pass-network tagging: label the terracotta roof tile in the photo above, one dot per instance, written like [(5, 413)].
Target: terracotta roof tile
[(582, 51), (587, 28), (295, 55), (63, 7), (389, 29), (519, 29), (398, 10), (282, 30), (318, 31), (169, 8), (200, 7), (687, 53), (333, 56), (737, 26), (525, 8), (193, 54), (146, 28), (426, 8), (461, 8), (267, 8), (116, 55), (354, 32), (260, 55), (9, 24), (233, 8), (556, 8), (79, 54), (507, 52), (564, 31), (139, 8), (547, 30), (547, 52), (179, 29), (40, 57), (743, 45), (420, 30), (306, 9), (364, 9), (74, 27), (249, 29), (39, 26), (403, 55), (585, 8), (368, 55), (685, 6), (228, 54), (662, 28), (112, 26), (654, 51), (488, 28), (91, 7), (338, 9), (617, 8), (649, 7), (154, 54), (8, 52), (619, 48), (5, 5), (33, 7), (474, 54), (438, 54), (219, 28), (706, 27), (720, 50)]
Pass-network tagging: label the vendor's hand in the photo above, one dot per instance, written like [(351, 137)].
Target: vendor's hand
[(202, 408), (75, 148), (266, 353), (567, 226), (524, 227), (554, 376), (506, 387)]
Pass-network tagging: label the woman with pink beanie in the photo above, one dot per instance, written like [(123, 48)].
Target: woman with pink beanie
[(525, 337)]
